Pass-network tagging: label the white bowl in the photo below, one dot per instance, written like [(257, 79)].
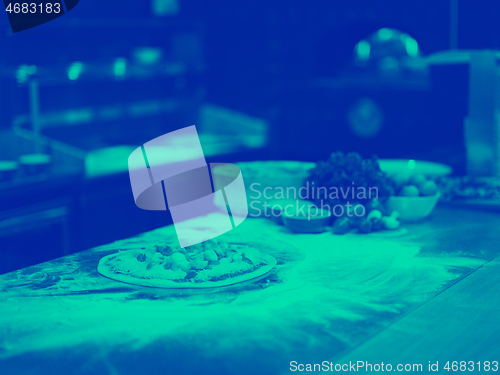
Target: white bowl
[(408, 167), (412, 208)]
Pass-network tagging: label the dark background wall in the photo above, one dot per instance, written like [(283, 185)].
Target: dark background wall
[(253, 46)]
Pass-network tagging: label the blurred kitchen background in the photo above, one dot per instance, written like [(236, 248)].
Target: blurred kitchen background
[(261, 80)]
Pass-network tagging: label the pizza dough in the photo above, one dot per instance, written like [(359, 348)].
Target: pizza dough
[(211, 264)]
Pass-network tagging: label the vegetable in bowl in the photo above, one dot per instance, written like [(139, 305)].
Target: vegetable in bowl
[(347, 178), (348, 181)]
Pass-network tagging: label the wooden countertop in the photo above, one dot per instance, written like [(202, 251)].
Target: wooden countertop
[(426, 292)]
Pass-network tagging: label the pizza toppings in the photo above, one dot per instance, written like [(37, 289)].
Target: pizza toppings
[(210, 255), (198, 264), (202, 262), (237, 258), (166, 250)]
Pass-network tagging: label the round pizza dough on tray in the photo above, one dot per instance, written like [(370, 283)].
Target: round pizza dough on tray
[(159, 267)]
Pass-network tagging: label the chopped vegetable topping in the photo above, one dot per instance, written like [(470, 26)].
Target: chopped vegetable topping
[(203, 261)]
